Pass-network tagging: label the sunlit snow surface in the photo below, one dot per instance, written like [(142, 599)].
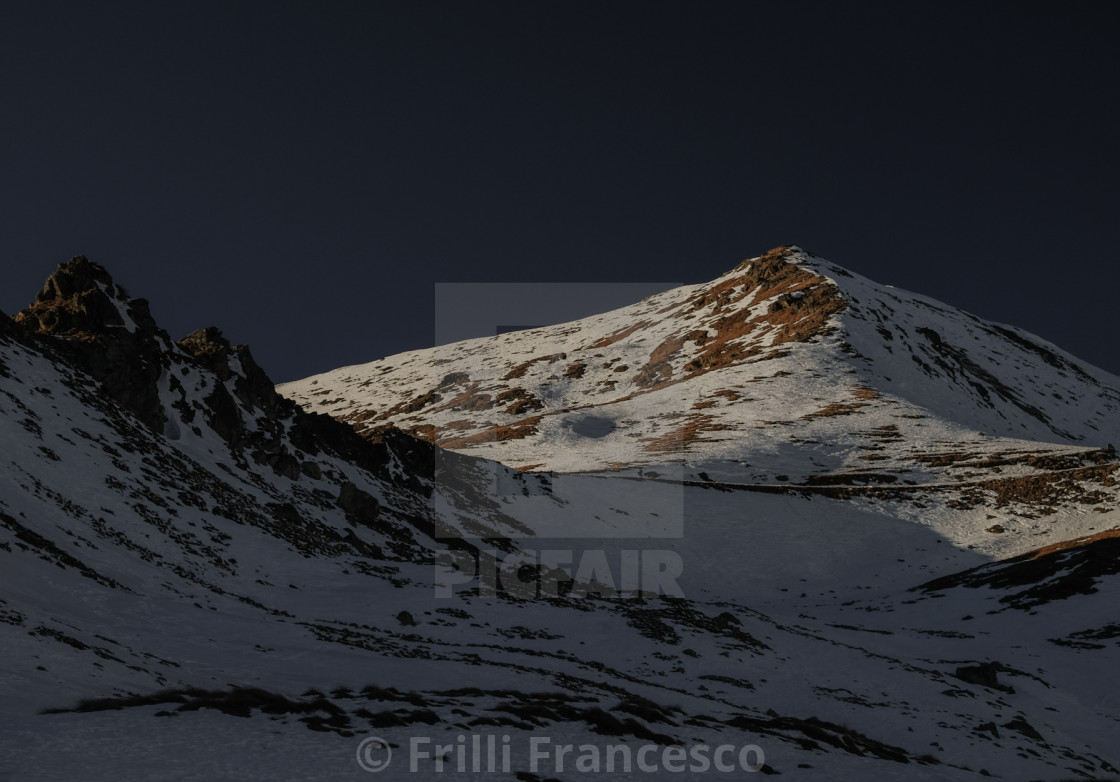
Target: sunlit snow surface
[(788, 359)]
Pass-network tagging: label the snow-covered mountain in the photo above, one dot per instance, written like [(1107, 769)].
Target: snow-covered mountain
[(788, 373), (785, 348), (200, 580)]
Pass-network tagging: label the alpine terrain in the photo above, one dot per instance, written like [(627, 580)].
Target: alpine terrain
[(789, 522)]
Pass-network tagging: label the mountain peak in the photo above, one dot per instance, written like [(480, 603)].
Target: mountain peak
[(107, 333), (782, 354), (81, 298), (781, 253), (762, 303), (75, 276)]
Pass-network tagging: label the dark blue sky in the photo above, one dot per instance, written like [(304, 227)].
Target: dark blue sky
[(302, 174)]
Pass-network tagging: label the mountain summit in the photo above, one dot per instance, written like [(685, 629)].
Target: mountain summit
[(783, 350), (101, 328)]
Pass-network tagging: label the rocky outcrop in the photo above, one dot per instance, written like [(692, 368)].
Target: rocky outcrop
[(360, 506), (284, 435), (107, 334), (77, 299), (83, 321), (210, 349), (983, 674), (1055, 572), (94, 324), (252, 385)]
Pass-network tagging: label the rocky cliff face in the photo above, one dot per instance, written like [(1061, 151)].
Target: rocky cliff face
[(112, 337), (93, 323), (213, 401)]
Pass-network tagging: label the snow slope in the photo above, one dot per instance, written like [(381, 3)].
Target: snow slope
[(202, 581), (784, 361)]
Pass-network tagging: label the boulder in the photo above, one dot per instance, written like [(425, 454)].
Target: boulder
[(360, 506)]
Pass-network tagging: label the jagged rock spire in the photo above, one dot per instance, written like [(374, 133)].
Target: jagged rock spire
[(105, 332), (80, 297), (74, 277)]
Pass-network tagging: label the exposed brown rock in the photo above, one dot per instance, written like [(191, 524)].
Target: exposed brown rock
[(425, 432), (459, 426), (412, 405), (470, 399), (834, 409), (802, 305), (1066, 545), (523, 367), (1049, 490), (683, 437), (526, 427), (659, 369), (620, 335), (519, 401)]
